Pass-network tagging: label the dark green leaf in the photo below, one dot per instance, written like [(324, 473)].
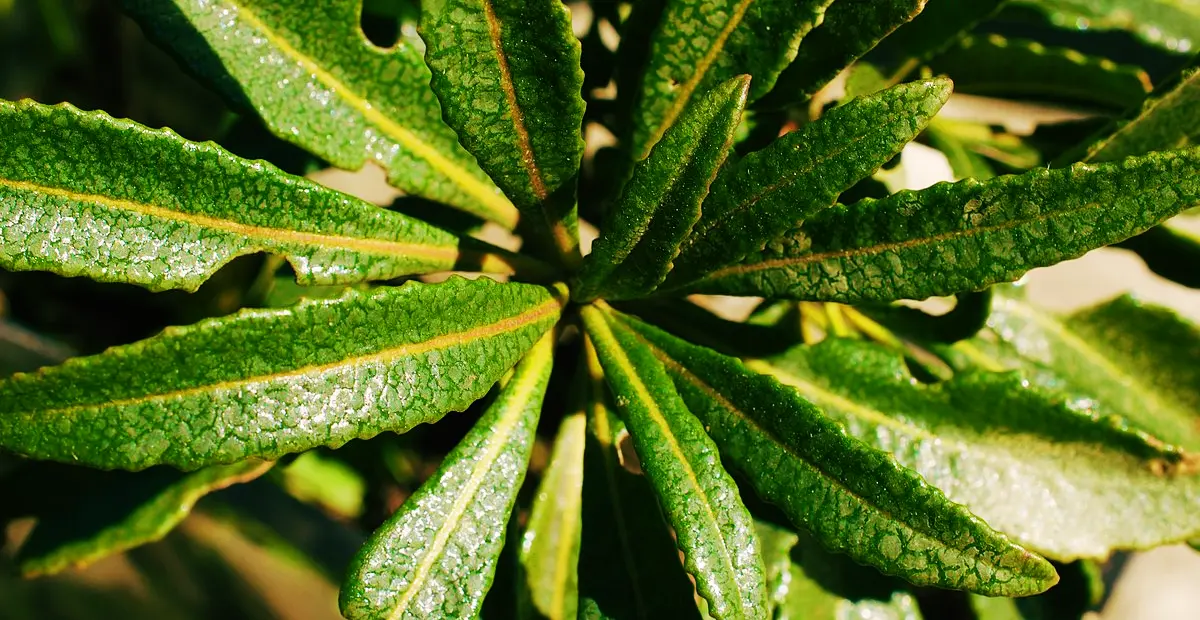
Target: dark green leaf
[(713, 529), (850, 29), (550, 548), (143, 510), (1173, 25), (263, 383), (307, 69), (700, 44), (507, 74), (776, 543), (769, 192), (84, 194), (661, 202), (854, 498), (1057, 473), (964, 236), (436, 556), (628, 564), (939, 26), (995, 66), (1171, 250)]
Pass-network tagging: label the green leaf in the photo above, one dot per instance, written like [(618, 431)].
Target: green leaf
[(1168, 119), (1093, 354), (769, 192), (436, 556), (550, 548), (850, 29), (940, 25), (644, 229), (776, 547), (263, 383), (1173, 25), (319, 479), (713, 529), (316, 81), (995, 66), (699, 45), (854, 498), (628, 564), (115, 519), (958, 237), (1171, 250), (514, 99), (1057, 473), (84, 194), (965, 162), (980, 139)]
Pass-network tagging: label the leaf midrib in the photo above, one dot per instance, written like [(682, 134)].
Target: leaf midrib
[(445, 341), (525, 384), (502, 211)]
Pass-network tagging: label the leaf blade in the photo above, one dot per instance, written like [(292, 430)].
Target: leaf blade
[(401, 571), (117, 410), (674, 451), (660, 203)]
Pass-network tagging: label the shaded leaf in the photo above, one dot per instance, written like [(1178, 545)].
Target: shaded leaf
[(769, 192), (850, 29), (84, 194), (1058, 474), (854, 498), (514, 100), (628, 564), (964, 236), (247, 385), (1171, 250), (550, 548), (995, 66), (699, 45), (981, 140), (644, 229), (437, 554), (712, 527), (939, 25), (23, 350), (142, 510), (1173, 25), (307, 69)]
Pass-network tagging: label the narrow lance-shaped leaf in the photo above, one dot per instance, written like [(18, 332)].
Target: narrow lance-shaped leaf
[(263, 383), (507, 74), (85, 194), (993, 65), (550, 548), (1173, 25), (307, 69), (771, 191), (700, 44), (701, 502), (964, 236), (850, 29), (118, 518), (854, 498), (436, 556), (1060, 474), (661, 202), (938, 26), (628, 564)]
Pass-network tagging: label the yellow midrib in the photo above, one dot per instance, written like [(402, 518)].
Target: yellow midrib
[(269, 238), (502, 211), (523, 388), (512, 323)]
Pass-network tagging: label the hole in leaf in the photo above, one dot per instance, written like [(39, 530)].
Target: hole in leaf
[(380, 29)]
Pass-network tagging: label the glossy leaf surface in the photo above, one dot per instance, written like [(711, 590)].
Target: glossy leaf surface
[(938, 26), (1171, 24), (849, 30), (85, 194), (508, 78), (769, 192), (550, 548), (963, 236), (713, 529), (699, 45), (999, 67), (263, 383), (116, 520), (436, 556), (314, 78), (661, 202), (1054, 473), (854, 498)]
